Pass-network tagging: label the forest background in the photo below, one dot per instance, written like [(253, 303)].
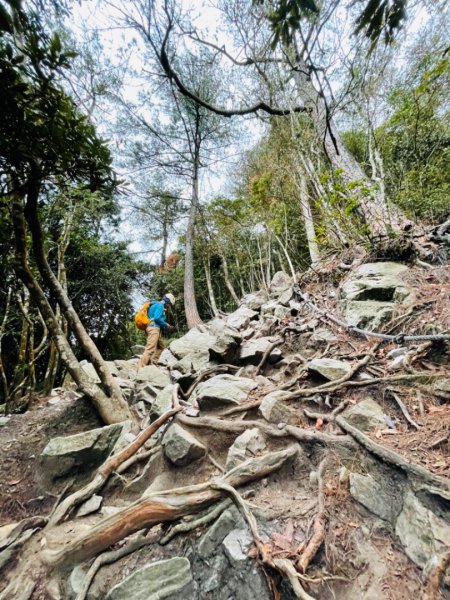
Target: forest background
[(160, 146)]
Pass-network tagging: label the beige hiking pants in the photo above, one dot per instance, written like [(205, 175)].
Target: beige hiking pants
[(153, 347)]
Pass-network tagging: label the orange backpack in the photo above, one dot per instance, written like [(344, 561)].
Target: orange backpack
[(141, 319)]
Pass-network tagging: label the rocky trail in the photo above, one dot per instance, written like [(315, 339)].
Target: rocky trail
[(282, 451)]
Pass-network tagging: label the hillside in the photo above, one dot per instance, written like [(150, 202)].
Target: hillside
[(283, 451)]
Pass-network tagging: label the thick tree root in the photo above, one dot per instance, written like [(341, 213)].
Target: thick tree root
[(392, 458), (103, 473), (162, 507), (320, 521), (309, 436)]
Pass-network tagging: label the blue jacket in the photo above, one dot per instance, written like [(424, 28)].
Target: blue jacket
[(157, 315)]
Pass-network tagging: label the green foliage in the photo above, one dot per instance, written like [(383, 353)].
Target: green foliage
[(415, 142)]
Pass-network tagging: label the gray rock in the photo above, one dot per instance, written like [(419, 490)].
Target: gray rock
[(252, 351), (213, 538), (4, 420), (371, 292), (162, 403), (180, 446), (366, 415), (269, 307), (368, 315), (323, 335), (167, 359), (127, 368), (241, 317), (146, 393), (193, 341), (194, 362), (248, 444), (274, 410), (236, 546), (84, 450), (163, 580), (442, 385), (285, 297), (280, 282), (421, 532), (75, 581), (254, 301), (223, 389), (382, 281), (383, 499), (153, 375), (281, 312), (329, 368), (90, 506)]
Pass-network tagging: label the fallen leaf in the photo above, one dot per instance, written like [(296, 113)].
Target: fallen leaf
[(351, 524), (436, 409), (319, 423), (338, 531), (281, 541)]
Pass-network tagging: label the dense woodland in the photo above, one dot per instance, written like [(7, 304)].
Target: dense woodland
[(277, 136)]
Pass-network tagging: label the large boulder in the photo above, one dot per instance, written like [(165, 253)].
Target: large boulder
[(280, 282), (252, 351), (329, 368), (223, 389), (180, 446), (423, 534), (248, 444), (382, 497), (274, 409), (254, 301), (162, 403), (366, 415), (153, 375), (372, 291), (193, 341), (241, 317), (82, 451), (163, 580)]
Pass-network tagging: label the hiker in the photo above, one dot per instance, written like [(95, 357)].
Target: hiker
[(157, 317)]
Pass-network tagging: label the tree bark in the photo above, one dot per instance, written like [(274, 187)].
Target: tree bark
[(212, 299), (227, 279), (380, 218), (117, 402), (190, 303), (161, 507), (109, 411)]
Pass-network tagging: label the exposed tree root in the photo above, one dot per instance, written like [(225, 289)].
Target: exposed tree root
[(283, 566), (392, 458), (204, 519), (162, 507), (103, 473), (320, 521), (302, 435), (109, 557), (403, 408)]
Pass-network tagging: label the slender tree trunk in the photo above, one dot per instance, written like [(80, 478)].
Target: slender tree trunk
[(190, 303), (212, 299), (109, 410), (226, 276), (86, 343), (379, 218), (308, 221), (3, 379)]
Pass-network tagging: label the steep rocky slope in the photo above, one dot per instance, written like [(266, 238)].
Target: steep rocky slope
[(280, 453)]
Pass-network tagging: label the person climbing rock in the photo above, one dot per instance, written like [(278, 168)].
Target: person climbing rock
[(157, 322)]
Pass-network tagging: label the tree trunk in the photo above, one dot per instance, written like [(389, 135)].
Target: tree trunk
[(309, 222), (190, 303), (110, 411), (212, 299), (88, 346), (373, 210), (226, 276)]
